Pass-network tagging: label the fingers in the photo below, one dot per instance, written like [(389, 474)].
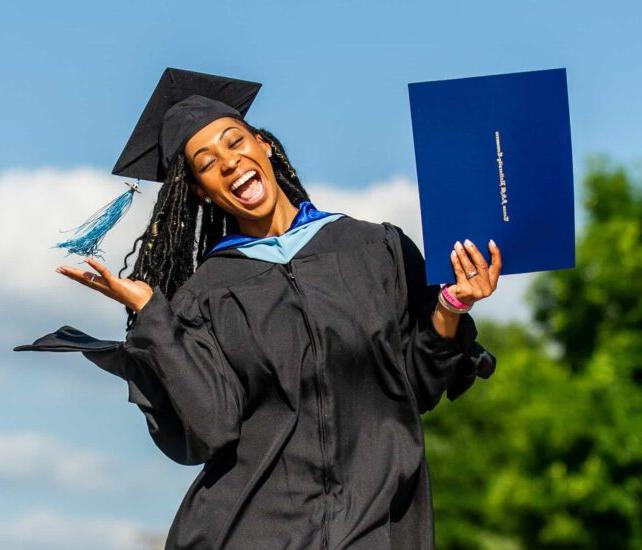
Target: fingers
[(480, 280), (458, 269), (463, 258), (84, 277), (463, 289), (495, 263), (101, 283), (476, 255), (102, 269), (479, 285)]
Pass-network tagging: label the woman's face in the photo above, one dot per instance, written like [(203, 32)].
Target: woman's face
[(223, 154)]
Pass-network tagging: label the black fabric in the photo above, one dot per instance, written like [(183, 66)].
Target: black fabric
[(67, 338), (182, 103), (300, 387), (184, 119)]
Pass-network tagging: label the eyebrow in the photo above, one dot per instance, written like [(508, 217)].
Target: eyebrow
[(203, 149)]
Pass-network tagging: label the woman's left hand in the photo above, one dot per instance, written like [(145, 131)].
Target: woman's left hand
[(467, 259)]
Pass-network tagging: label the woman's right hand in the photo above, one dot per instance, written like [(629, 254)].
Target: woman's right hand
[(133, 294)]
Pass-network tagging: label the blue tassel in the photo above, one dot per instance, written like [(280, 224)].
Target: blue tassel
[(88, 236)]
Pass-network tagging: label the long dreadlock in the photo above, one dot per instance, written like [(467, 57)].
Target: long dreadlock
[(182, 229)]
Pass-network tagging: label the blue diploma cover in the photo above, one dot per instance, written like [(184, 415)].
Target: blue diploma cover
[(494, 160)]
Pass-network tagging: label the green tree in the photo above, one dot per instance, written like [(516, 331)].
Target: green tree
[(548, 452)]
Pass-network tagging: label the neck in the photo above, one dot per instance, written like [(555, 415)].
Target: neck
[(275, 223)]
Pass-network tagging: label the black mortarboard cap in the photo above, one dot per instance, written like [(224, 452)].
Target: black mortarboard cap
[(182, 103)]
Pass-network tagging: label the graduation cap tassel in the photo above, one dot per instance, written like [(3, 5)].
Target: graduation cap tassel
[(89, 234)]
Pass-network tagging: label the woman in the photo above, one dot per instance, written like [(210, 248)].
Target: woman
[(294, 362)]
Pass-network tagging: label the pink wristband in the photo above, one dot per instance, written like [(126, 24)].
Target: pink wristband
[(452, 300)]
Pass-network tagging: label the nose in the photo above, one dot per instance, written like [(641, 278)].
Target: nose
[(231, 161)]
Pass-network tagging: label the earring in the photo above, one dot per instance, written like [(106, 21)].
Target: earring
[(269, 153), (208, 200)]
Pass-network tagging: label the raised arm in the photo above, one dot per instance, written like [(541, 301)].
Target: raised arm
[(434, 363), (175, 369)]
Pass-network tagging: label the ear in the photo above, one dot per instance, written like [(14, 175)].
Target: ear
[(266, 146)]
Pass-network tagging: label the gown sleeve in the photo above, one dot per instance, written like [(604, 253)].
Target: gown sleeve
[(175, 372), (196, 406), (434, 364)]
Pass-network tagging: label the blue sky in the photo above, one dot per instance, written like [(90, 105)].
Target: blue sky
[(75, 76), (335, 74)]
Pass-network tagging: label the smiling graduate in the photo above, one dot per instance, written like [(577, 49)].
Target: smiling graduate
[(289, 350)]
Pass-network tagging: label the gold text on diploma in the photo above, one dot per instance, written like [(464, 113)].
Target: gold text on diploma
[(502, 178)]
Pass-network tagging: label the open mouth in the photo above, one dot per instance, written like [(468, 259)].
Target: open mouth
[(248, 188)]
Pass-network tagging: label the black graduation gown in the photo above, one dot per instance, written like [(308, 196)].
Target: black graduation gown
[(299, 386)]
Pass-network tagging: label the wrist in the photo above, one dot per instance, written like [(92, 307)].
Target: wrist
[(449, 300), (445, 322), (445, 313), (141, 304)]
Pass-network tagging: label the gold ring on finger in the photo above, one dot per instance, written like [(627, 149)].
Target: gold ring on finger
[(92, 278), (471, 274)]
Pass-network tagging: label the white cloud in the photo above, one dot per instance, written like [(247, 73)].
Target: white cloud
[(395, 200), (31, 457), (37, 460), (46, 530)]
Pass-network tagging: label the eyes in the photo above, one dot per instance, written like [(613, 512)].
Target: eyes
[(232, 146)]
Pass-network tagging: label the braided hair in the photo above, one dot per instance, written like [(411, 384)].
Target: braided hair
[(182, 228)]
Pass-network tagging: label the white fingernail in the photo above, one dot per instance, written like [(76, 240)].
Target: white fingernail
[(492, 243)]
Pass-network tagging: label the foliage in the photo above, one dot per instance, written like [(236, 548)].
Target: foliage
[(547, 453)]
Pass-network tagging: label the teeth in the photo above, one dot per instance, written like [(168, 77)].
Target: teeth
[(245, 177)]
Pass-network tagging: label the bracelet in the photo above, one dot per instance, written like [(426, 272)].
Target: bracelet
[(452, 300), (450, 308), (451, 303)]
